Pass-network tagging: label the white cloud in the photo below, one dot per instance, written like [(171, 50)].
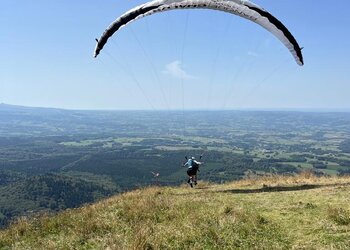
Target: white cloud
[(252, 53), (175, 69)]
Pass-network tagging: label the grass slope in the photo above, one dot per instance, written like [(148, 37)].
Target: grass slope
[(301, 212)]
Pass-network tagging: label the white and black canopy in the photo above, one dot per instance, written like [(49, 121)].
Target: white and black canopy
[(242, 8)]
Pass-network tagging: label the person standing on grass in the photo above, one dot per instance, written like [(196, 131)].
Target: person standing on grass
[(192, 169)]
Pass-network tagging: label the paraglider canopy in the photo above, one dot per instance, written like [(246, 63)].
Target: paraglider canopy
[(242, 8)]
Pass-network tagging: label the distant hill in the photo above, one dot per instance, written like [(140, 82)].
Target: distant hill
[(300, 212), (29, 110)]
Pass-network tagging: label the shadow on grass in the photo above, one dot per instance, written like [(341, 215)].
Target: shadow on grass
[(202, 188), (268, 189)]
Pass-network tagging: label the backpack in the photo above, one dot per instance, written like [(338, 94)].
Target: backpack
[(194, 164)]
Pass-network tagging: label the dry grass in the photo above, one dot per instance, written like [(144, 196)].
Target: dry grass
[(305, 177), (339, 215), (276, 212)]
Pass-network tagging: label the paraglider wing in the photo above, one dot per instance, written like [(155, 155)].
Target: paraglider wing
[(242, 8)]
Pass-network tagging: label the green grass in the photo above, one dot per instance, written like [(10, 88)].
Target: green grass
[(201, 139), (108, 142), (174, 148), (330, 171), (303, 165), (302, 212)]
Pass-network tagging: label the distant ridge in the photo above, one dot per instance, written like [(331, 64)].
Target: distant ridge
[(9, 107)]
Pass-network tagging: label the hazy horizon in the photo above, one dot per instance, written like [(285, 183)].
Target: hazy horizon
[(316, 110)]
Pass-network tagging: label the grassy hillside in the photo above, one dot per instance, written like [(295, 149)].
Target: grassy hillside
[(301, 212)]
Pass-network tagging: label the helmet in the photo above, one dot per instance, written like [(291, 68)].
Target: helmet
[(193, 158)]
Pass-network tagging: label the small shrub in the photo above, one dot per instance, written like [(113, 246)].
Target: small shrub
[(227, 210), (262, 220), (310, 205)]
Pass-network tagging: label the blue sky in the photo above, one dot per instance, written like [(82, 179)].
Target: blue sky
[(223, 61)]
